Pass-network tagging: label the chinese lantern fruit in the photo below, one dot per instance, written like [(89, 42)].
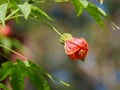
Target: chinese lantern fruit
[(75, 48)]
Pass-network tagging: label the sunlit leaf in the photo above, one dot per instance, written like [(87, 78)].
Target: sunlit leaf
[(25, 9), (84, 3), (3, 11), (101, 12)]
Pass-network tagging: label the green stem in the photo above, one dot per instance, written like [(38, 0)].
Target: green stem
[(11, 14), (12, 17), (13, 51), (52, 27), (54, 79)]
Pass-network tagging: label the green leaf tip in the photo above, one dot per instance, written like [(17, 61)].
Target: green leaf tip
[(64, 83), (39, 13), (95, 12), (78, 7), (84, 3), (26, 62), (61, 0), (3, 11), (42, 71), (25, 9)]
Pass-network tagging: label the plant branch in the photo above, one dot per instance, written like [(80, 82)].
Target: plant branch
[(10, 15), (54, 79), (13, 51), (51, 26), (54, 29)]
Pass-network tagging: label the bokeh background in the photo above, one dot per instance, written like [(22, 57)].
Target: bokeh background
[(101, 68)]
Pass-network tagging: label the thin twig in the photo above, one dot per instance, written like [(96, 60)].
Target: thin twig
[(13, 51)]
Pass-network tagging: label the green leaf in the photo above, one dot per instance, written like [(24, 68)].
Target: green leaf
[(38, 69), (3, 11), (35, 67), (17, 78), (2, 86), (35, 78), (25, 9), (84, 3), (78, 7), (37, 12), (96, 13), (101, 12), (5, 70)]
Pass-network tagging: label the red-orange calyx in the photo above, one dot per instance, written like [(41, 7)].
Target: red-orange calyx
[(76, 48)]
